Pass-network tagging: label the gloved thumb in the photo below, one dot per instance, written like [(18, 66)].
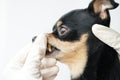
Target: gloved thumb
[(107, 35), (38, 49)]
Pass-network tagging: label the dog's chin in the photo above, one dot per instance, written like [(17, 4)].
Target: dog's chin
[(52, 51)]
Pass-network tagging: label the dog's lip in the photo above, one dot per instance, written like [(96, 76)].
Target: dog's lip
[(51, 49)]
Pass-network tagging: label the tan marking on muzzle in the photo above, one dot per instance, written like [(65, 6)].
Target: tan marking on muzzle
[(74, 54)]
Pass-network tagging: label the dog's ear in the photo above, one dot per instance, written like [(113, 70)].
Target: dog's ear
[(102, 6)]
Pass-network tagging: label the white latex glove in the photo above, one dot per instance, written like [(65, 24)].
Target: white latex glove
[(64, 72), (108, 36), (30, 64)]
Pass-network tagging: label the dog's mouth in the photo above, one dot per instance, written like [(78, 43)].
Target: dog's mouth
[(51, 49)]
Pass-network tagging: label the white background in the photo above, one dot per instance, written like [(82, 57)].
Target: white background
[(20, 20)]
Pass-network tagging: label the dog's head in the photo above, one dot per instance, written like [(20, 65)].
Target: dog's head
[(72, 41)]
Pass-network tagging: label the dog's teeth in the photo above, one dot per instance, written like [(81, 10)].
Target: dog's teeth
[(49, 48)]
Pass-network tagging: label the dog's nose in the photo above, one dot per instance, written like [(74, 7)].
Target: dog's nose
[(33, 39)]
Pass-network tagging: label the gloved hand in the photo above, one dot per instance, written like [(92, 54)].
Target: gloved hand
[(30, 64), (108, 36)]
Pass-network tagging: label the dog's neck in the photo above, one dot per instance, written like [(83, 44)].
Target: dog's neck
[(101, 65)]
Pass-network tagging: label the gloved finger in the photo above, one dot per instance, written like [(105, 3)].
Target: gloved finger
[(49, 72), (33, 61), (50, 78), (64, 72), (38, 49), (47, 62), (108, 36), (18, 61)]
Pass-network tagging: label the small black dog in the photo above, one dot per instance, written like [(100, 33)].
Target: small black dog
[(73, 43)]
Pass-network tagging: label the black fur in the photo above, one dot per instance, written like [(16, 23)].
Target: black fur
[(103, 62)]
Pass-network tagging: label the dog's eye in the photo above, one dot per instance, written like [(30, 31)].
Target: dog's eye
[(63, 30)]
